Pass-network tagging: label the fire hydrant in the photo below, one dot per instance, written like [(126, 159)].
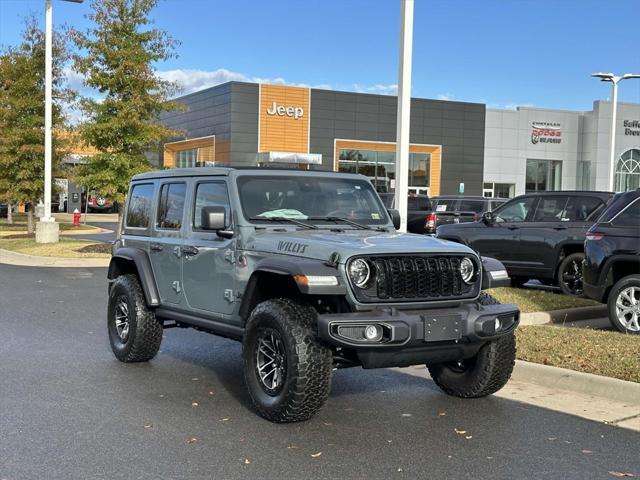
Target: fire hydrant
[(76, 218)]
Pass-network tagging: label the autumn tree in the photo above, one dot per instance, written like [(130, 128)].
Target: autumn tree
[(117, 58), (22, 70)]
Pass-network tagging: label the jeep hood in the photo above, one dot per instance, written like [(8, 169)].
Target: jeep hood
[(320, 244)]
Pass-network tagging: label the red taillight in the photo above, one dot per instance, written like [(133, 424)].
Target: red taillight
[(595, 236), (94, 201), (431, 221)]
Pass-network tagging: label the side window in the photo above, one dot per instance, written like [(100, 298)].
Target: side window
[(476, 206), (171, 206), (581, 209), (551, 209), (210, 194), (139, 208), (630, 217), (516, 210)]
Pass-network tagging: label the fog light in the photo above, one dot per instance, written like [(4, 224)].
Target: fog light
[(372, 333), (497, 324)]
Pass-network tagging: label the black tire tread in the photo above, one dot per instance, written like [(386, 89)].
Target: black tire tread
[(311, 381), (147, 331), (613, 297), (495, 362), (561, 268)]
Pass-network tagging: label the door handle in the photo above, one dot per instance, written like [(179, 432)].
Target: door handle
[(190, 251), (560, 227), (156, 247), (513, 227)]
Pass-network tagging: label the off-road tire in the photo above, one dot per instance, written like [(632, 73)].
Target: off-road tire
[(482, 375), (622, 284), (145, 331), (308, 363), (564, 266)]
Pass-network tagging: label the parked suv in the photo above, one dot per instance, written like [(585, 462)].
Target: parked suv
[(307, 270), (612, 261), (537, 236), (447, 209), (418, 207)]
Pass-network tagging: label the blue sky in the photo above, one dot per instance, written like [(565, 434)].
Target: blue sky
[(503, 53)]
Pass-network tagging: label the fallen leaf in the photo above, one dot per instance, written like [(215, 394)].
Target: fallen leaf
[(192, 440), (389, 441), (316, 455), (292, 447), (442, 414), (211, 392), (587, 452), (489, 458), (327, 424), (195, 379), (194, 404), (468, 437), (400, 470), (459, 432), (224, 420), (407, 415), (247, 461), (621, 474), (148, 425), (551, 439)]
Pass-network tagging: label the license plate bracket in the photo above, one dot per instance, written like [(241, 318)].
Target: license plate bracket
[(442, 328)]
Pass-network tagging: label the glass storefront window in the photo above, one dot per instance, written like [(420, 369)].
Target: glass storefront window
[(187, 158), (499, 190), (628, 171), (380, 167), (543, 175)]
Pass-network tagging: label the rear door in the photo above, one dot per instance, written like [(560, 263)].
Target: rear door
[(165, 248), (208, 265), (470, 210)]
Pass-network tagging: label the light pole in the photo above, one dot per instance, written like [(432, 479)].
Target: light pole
[(614, 79), (404, 110), (47, 230)]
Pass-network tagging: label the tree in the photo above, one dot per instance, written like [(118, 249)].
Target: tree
[(22, 116), (117, 58)]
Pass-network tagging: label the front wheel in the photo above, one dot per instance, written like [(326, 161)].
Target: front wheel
[(286, 369), (624, 305), (570, 274), (482, 375)]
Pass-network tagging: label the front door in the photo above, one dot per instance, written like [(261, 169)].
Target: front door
[(208, 264), (165, 248)]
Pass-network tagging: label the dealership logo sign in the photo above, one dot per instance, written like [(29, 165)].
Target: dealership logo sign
[(281, 111), (632, 127), (545, 132)]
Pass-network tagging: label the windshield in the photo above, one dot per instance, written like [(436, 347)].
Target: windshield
[(310, 198)]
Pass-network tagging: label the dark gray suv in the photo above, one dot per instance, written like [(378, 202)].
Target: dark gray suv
[(307, 270)]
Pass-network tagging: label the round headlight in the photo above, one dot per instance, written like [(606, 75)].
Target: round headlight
[(467, 270), (359, 272)]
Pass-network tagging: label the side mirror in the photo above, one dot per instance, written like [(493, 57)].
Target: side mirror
[(213, 218), (488, 218), (395, 217)]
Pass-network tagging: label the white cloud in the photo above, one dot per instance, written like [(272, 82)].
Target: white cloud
[(390, 89), (445, 96), (508, 105)]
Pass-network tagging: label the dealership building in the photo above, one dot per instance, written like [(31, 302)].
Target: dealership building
[(454, 146)]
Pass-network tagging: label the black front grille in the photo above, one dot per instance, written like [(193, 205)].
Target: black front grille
[(415, 278)]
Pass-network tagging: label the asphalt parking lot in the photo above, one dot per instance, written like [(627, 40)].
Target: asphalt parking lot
[(70, 410)]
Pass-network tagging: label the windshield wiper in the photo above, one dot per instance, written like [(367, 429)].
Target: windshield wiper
[(284, 219), (346, 220)]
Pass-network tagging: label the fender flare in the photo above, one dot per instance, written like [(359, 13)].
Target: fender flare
[(143, 268), (494, 273)]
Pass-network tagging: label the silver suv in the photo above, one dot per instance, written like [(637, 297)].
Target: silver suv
[(307, 270)]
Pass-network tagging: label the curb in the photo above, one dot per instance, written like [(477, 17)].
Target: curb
[(564, 315), (578, 382), (93, 231), (8, 257)]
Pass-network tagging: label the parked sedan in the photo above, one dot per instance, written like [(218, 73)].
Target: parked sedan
[(537, 236), (447, 209), (612, 261)]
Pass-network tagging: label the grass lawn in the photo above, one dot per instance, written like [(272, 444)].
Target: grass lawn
[(20, 224), (611, 354), (530, 300), (64, 248)]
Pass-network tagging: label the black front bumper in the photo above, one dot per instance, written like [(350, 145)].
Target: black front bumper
[(412, 337)]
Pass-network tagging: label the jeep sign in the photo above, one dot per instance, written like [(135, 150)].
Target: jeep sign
[(281, 110)]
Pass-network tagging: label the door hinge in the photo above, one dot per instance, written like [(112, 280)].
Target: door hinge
[(228, 295), (229, 256), (176, 286)]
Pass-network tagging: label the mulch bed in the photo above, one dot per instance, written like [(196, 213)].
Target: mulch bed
[(96, 248)]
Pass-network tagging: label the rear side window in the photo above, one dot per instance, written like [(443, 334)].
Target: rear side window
[(444, 205), (476, 206), (171, 205), (629, 217), (419, 203), (139, 209), (211, 194), (551, 209), (581, 209)]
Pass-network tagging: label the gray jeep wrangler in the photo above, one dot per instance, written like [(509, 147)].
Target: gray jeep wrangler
[(307, 270)]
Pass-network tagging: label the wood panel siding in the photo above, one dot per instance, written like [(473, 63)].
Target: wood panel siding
[(283, 132)]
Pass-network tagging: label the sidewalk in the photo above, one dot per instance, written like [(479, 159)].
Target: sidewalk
[(14, 258)]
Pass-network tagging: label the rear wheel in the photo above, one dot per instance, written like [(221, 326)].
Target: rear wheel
[(286, 369), (624, 305), (570, 274), (482, 375)]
